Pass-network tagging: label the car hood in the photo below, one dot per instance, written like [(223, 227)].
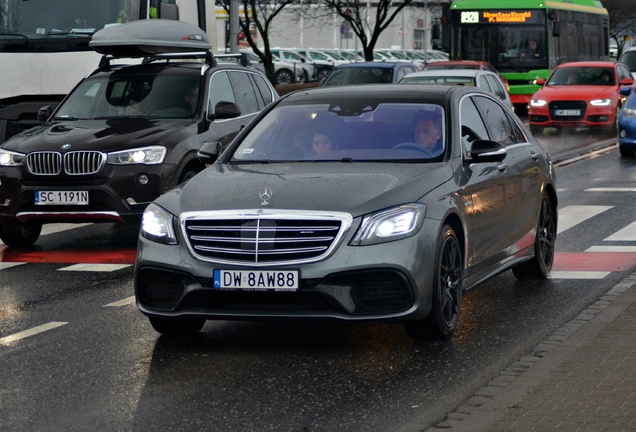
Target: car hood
[(568, 92), (103, 135), (354, 187)]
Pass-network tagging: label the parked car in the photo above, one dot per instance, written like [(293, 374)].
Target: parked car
[(300, 61), (627, 125), (579, 94), (126, 133), (323, 61), (329, 205), (368, 73), (477, 78), (284, 72)]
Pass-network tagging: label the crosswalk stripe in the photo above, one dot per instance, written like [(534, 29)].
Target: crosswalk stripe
[(626, 249), (565, 274), (94, 267), (626, 234), (26, 333), (124, 302), (573, 215), (6, 265), (611, 189)]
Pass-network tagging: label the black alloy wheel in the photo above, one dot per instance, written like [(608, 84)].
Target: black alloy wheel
[(447, 292), (539, 266)]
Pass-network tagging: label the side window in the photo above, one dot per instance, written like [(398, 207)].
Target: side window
[(472, 125), (496, 87), (245, 92), (502, 128), (220, 90), (264, 90), (484, 84)]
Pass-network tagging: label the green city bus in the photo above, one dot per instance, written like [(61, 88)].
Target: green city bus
[(527, 41)]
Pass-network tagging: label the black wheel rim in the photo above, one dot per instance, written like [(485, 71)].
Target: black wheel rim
[(450, 282), (546, 234)]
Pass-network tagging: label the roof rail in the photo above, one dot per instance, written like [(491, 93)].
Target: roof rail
[(240, 58), (206, 55)]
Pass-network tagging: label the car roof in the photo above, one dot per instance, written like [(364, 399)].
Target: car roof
[(408, 93), (451, 72), (610, 64), (371, 64)]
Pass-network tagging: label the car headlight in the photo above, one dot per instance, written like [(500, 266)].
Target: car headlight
[(152, 155), (390, 225), (538, 102), (157, 225), (601, 102), (9, 158), (629, 112)]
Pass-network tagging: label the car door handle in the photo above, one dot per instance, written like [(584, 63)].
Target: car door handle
[(502, 167), (535, 156)]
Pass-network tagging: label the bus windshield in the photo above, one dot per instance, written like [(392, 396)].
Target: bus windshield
[(24, 21), (506, 48)]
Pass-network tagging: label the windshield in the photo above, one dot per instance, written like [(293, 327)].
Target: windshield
[(153, 96), (346, 131), (38, 19), (603, 76)]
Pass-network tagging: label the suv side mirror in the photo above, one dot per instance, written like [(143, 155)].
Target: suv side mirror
[(225, 110), (44, 113), (209, 152)]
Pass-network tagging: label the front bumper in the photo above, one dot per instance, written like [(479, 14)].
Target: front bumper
[(588, 116)]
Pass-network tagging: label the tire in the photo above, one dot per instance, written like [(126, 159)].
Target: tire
[(536, 130), (322, 73), (627, 151), (24, 235), (447, 291), (284, 76), (539, 266), (176, 326), (187, 175)]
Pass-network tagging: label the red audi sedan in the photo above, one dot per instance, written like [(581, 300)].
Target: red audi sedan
[(579, 94)]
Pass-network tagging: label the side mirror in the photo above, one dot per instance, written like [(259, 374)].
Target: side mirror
[(487, 151), (627, 82), (209, 152), (625, 91), (44, 113), (225, 110), (540, 81)]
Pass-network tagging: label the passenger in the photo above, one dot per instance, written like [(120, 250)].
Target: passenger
[(192, 98), (428, 131), (134, 108), (321, 144)]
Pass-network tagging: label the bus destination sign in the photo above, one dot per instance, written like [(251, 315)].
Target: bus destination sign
[(502, 17)]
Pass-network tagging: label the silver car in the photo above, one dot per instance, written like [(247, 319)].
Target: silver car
[(352, 203)]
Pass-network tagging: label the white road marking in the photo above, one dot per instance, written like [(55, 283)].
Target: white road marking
[(610, 189), (578, 274), (573, 215), (125, 302), (59, 227), (626, 234), (6, 265), (631, 249), (26, 333), (94, 267)]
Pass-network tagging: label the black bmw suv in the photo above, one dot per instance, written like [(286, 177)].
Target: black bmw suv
[(126, 133)]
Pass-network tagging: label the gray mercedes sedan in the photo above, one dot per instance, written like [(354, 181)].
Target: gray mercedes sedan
[(374, 202)]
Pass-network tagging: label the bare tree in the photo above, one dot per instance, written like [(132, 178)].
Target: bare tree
[(259, 14), (367, 19), (622, 16)]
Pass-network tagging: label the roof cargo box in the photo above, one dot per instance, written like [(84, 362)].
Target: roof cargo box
[(149, 37)]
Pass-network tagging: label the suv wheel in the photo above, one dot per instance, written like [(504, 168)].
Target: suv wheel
[(23, 235), (284, 76)]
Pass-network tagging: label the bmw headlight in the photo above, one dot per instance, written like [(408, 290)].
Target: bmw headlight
[(9, 158), (601, 102), (629, 112), (390, 225), (156, 225), (151, 155), (538, 102)]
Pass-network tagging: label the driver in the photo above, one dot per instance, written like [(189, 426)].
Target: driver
[(427, 127)]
